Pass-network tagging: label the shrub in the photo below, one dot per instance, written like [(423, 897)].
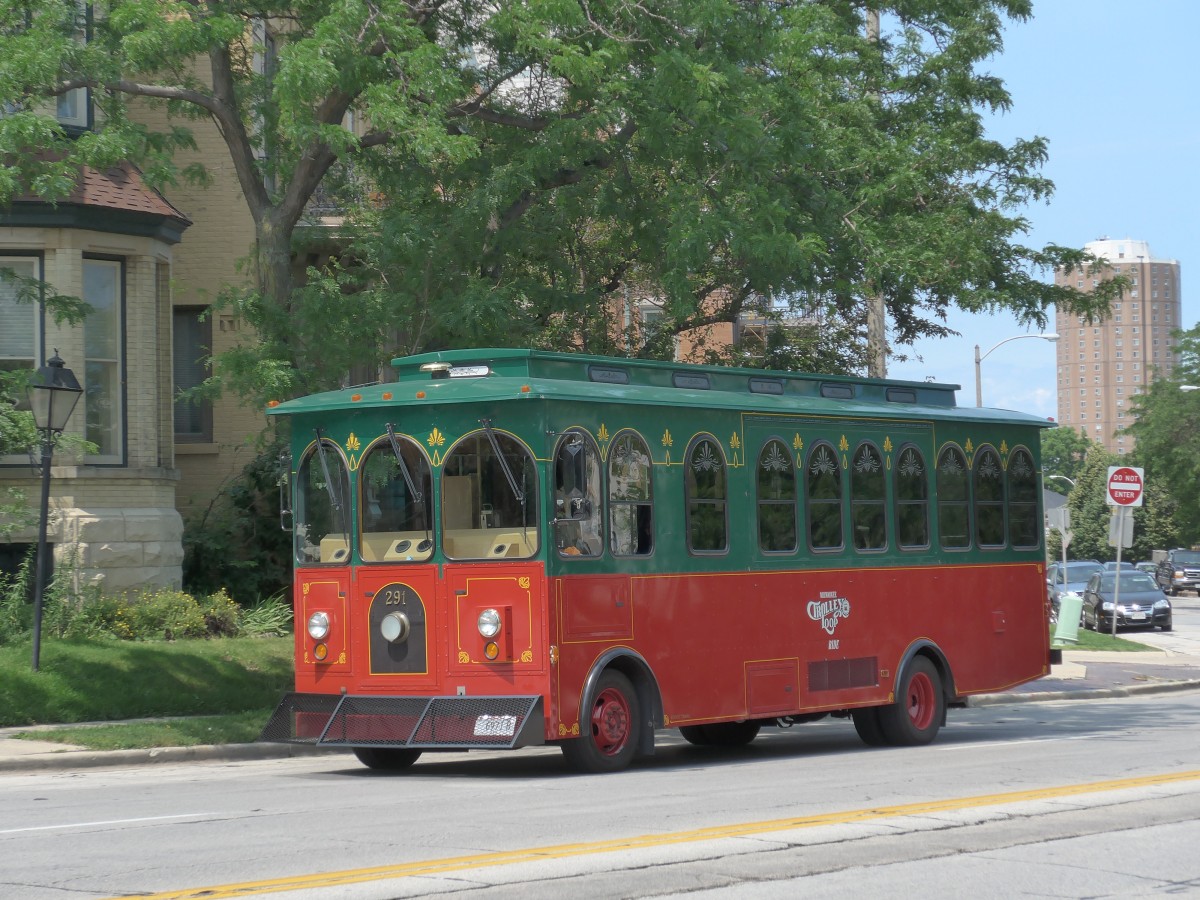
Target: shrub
[(222, 616), (268, 618)]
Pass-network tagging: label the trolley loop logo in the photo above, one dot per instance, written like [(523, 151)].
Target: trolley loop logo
[(829, 610)]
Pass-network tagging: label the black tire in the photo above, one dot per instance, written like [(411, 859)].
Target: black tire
[(731, 734), (611, 728), (387, 759), (915, 716), (696, 734), (866, 723), (1166, 627)]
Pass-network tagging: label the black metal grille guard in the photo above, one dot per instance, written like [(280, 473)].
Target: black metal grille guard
[(418, 723)]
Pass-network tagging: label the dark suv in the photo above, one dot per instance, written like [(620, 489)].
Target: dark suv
[(1180, 571)]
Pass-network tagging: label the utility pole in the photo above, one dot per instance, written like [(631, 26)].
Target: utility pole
[(876, 308)]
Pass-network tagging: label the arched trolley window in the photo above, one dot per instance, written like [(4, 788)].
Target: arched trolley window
[(322, 508), (823, 476), (989, 498), (577, 508), (489, 498), (910, 482), (1024, 527), (953, 499), (630, 496), (395, 485), (776, 482), (868, 498), (706, 491)]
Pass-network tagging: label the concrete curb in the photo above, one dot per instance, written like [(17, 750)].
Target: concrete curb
[(1162, 687)]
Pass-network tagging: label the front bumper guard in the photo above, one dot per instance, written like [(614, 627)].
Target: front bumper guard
[(417, 723)]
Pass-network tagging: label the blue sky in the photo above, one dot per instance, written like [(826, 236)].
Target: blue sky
[(1113, 86)]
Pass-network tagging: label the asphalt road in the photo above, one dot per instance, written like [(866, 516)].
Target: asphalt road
[(1063, 799)]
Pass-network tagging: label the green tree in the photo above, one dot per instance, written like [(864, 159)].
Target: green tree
[(1090, 511), (1063, 453), (531, 167), (1166, 422)]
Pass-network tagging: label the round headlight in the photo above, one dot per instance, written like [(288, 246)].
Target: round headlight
[(489, 623), (318, 625), (395, 627)]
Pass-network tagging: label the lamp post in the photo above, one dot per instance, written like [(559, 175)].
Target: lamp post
[(980, 358), (1063, 478), (53, 393)]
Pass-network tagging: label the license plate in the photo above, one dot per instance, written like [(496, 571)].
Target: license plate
[(1138, 616), (495, 726)]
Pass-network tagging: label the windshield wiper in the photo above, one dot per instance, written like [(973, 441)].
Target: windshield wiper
[(412, 488), (330, 489), (508, 473)]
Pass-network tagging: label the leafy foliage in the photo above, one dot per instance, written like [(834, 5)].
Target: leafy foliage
[(1153, 523), (1063, 453), (525, 172), (1167, 422), (237, 544)]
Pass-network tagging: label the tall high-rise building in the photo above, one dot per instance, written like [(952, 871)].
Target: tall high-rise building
[(1103, 365)]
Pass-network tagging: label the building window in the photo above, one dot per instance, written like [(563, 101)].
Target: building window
[(103, 340), (191, 349), (19, 319)]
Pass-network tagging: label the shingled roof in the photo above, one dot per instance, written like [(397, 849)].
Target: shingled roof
[(115, 200)]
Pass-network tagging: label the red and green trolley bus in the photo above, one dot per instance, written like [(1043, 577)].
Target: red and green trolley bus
[(504, 548)]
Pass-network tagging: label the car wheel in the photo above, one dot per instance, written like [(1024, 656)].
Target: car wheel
[(1167, 627)]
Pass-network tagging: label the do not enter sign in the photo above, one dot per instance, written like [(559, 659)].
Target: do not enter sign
[(1124, 486)]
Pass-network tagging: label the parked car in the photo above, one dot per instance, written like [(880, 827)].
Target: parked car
[(1071, 578), (1179, 571), (1111, 566), (1148, 567), (1140, 601)]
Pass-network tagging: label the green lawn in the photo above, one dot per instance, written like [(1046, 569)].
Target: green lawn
[(233, 683)]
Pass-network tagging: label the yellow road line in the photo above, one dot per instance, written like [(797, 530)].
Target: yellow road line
[(717, 832)]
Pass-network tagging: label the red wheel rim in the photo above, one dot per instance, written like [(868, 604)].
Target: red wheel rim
[(610, 722), (921, 701)]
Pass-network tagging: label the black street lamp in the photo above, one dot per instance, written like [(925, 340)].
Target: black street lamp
[(53, 393)]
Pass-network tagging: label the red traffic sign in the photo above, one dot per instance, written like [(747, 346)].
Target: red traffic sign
[(1125, 486)]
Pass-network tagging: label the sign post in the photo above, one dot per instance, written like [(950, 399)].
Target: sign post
[(1125, 485)]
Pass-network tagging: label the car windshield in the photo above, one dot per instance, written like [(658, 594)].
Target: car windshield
[(1132, 582), (1077, 572), (1188, 557)]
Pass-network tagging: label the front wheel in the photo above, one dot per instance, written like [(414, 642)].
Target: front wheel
[(389, 759), (915, 716), (610, 728)]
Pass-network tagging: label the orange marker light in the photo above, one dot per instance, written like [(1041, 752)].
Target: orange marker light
[(271, 404), (491, 650), (525, 389), (387, 395), (420, 395), (320, 651), (354, 398)]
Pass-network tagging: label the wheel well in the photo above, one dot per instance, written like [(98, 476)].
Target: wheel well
[(637, 670), (932, 653)]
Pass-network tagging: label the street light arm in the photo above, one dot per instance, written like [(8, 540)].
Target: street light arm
[(980, 358), (1069, 481)]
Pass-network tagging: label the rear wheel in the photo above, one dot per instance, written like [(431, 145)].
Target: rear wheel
[(866, 723), (916, 714), (610, 728), (731, 734), (389, 759)]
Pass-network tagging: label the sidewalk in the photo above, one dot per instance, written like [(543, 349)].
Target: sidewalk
[(1083, 675)]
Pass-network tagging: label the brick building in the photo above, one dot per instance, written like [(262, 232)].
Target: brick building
[(1103, 365)]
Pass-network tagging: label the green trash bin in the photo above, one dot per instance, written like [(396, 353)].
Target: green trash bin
[(1070, 605)]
